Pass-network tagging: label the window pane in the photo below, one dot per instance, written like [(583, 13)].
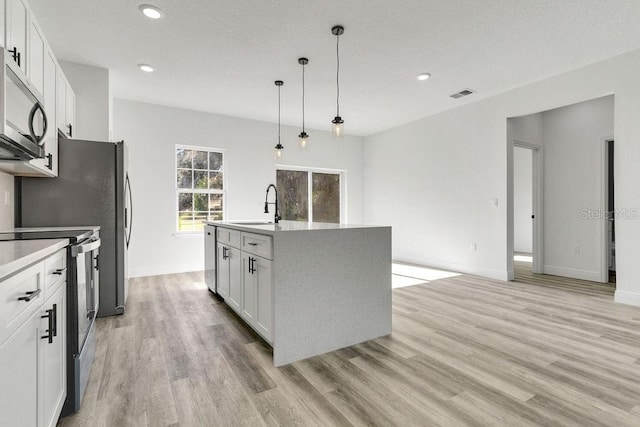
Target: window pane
[(184, 178), (200, 179), (215, 180), (326, 197), (200, 202), (215, 216), (199, 218), (185, 221), (293, 195), (215, 203), (184, 158), (200, 160), (185, 202), (215, 161)]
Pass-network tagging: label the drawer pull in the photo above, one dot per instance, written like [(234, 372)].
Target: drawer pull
[(252, 244), (30, 295), (60, 271)]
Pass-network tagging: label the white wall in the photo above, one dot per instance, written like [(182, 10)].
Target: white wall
[(93, 94), (151, 132), (522, 199), (6, 210), (574, 182), (433, 180)]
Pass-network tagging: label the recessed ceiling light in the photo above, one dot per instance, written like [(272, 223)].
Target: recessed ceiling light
[(146, 68), (424, 76), (150, 11)]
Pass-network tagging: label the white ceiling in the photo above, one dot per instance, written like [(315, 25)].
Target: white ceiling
[(222, 56)]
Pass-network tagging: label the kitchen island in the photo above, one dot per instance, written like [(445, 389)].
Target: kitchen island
[(306, 288)]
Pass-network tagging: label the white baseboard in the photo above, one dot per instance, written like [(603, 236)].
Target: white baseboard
[(157, 270), (630, 298), (455, 267), (593, 276), (523, 250)]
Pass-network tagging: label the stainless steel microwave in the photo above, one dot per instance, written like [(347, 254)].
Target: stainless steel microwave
[(23, 121)]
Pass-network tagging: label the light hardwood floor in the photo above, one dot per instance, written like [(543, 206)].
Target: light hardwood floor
[(464, 351)]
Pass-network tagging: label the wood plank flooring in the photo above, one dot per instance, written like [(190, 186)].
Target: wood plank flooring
[(464, 351)]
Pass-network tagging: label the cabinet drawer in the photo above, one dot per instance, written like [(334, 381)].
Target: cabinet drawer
[(228, 236), (55, 272), (257, 244), (28, 283)]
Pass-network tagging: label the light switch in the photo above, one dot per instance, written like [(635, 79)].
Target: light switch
[(494, 202), (7, 196)]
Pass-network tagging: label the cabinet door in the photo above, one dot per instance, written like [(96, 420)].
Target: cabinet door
[(264, 299), (52, 381), (235, 279), (51, 139), (19, 375), (36, 56), (70, 111), (249, 288), (223, 271), (16, 20), (61, 101)]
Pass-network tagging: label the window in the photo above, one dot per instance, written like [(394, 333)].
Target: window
[(310, 195), (199, 186)]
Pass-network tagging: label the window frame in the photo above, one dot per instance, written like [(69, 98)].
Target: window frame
[(223, 192), (342, 173)]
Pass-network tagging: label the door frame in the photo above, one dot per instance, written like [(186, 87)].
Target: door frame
[(604, 192), (537, 155)]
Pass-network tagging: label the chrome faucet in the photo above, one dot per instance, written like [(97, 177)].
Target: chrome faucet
[(276, 216)]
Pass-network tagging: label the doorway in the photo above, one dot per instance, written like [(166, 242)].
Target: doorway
[(611, 210), (527, 206)]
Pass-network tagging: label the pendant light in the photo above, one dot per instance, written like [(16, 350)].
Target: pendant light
[(279, 146), (304, 137), (337, 128)]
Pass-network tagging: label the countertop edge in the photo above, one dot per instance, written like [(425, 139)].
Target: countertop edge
[(15, 266), (269, 228)]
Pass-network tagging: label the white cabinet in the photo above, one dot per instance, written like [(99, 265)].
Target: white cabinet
[(33, 355), (229, 275), (53, 378), (19, 362), (245, 277), (257, 294), (65, 104), (16, 32), (51, 139), (36, 51)]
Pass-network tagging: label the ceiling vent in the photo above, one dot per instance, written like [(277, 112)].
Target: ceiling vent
[(462, 93)]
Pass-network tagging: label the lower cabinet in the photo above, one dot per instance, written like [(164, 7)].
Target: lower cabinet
[(33, 358), (257, 289), (53, 378), (245, 279)]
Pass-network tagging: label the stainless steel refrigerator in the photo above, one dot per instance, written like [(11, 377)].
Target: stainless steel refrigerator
[(92, 188)]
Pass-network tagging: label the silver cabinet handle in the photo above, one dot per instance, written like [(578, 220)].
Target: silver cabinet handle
[(30, 295), (60, 271)]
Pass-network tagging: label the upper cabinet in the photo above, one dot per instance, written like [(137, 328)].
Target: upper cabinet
[(65, 105), (16, 17), (34, 63)]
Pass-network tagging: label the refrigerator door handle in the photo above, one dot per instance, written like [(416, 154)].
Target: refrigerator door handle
[(128, 219)]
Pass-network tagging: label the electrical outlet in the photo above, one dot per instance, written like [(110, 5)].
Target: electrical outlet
[(474, 247), (576, 249)]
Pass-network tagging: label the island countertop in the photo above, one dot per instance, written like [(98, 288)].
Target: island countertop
[(17, 254), (286, 226)]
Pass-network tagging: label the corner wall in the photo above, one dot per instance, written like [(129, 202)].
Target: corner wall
[(434, 180), (151, 133)]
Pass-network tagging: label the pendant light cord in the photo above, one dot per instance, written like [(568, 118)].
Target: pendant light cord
[(302, 97), (278, 115), (338, 75)]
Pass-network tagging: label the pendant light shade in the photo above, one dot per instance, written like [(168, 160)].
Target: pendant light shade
[(337, 128), (279, 147), (304, 137)]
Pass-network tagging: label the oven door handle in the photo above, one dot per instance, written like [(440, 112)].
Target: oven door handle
[(91, 245)]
